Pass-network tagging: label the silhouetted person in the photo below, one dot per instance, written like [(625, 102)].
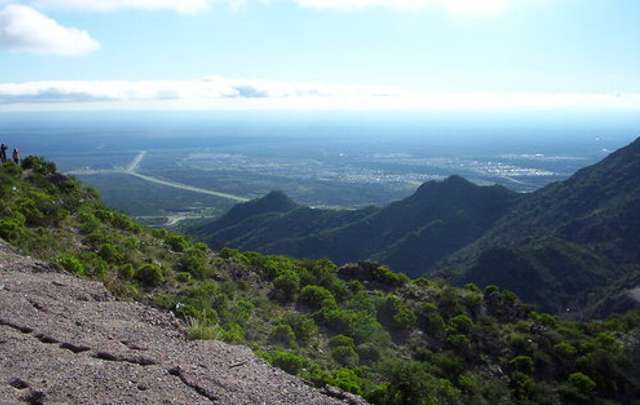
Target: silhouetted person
[(16, 156), (3, 153)]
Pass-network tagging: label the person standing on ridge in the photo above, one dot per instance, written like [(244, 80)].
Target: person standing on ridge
[(16, 156), (3, 153)]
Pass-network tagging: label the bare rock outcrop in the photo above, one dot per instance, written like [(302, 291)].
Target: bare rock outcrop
[(67, 340)]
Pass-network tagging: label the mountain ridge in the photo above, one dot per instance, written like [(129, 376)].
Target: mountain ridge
[(592, 217), (344, 236), (572, 239)]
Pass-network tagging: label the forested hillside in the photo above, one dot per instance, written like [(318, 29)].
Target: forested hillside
[(571, 246), (360, 327)]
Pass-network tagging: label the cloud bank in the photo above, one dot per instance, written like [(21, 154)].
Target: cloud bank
[(24, 29), (209, 88), (219, 93)]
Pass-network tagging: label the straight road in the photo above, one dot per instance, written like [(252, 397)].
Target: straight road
[(131, 170)]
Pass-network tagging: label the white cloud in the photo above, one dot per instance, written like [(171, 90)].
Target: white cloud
[(181, 6), (210, 88), (25, 29), (466, 7), (218, 93)]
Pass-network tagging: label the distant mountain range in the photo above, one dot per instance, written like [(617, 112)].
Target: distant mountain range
[(573, 246)]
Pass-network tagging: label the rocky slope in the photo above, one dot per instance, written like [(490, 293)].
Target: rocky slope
[(67, 340)]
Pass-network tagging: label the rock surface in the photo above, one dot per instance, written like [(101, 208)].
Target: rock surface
[(67, 340)]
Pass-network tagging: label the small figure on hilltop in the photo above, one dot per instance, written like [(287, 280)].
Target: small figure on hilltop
[(16, 156), (3, 153)]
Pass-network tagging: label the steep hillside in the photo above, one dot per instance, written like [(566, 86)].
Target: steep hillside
[(359, 327), (562, 245), (67, 340), (410, 235)]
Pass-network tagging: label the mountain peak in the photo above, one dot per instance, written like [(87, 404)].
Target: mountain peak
[(278, 200), (450, 183), (274, 202)]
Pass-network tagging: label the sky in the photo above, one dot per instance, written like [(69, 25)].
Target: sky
[(319, 54)]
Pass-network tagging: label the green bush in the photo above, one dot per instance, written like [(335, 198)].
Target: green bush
[(359, 325), (282, 334), (348, 380), (126, 272), (287, 361), (460, 342), (384, 275), (316, 297), (177, 243), (11, 169), (523, 364), (565, 349), (303, 326), (345, 356), (411, 383), (195, 263), (286, 286), (523, 386), (368, 353), (202, 330), (582, 382), (39, 165), (396, 315), (451, 365), (150, 275), (461, 324), (234, 254), (233, 333), (72, 264), (341, 340), (110, 253), (13, 230)]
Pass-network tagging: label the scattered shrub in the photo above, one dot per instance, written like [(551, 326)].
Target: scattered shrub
[(582, 382), (72, 264), (39, 165), (316, 297), (345, 356), (522, 364), (202, 330), (282, 334), (286, 286), (287, 361), (396, 315), (150, 275)]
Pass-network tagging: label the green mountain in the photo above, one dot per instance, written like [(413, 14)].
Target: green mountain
[(410, 235), (359, 327), (563, 246), (571, 247)]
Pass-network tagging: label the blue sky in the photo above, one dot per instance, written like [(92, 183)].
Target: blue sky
[(66, 54)]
